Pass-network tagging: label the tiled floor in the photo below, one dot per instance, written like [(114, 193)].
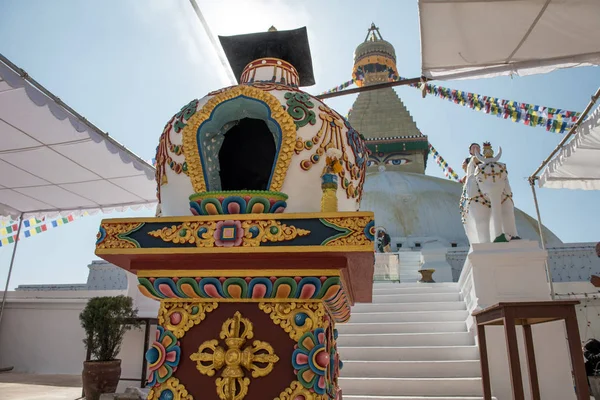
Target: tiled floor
[(18, 386)]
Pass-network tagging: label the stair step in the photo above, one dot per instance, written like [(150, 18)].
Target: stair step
[(385, 285), (411, 369), (411, 386), (401, 289), (413, 353), (410, 316), (407, 339), (415, 297), (401, 327), (399, 307)]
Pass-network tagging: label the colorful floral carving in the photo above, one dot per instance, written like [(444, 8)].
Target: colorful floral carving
[(299, 108), (311, 360), (228, 233), (163, 356), (369, 231), (233, 202)]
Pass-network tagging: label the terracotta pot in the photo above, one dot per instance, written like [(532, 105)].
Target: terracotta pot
[(100, 377)]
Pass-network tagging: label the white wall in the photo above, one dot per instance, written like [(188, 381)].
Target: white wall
[(41, 333)]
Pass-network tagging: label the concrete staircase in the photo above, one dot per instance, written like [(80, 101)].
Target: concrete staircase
[(409, 265), (411, 343)]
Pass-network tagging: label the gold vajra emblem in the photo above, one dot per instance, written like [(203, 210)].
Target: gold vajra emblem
[(257, 358)]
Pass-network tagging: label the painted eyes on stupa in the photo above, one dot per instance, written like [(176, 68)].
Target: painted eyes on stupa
[(372, 163), (397, 161)]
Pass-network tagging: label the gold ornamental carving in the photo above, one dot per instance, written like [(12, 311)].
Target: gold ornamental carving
[(114, 236), (296, 318), (259, 358), (178, 391), (269, 231), (296, 390), (207, 233), (179, 317), (283, 119), (353, 231)]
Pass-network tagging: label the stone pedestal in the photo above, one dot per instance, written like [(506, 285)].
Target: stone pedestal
[(515, 271), (248, 303), (386, 267)]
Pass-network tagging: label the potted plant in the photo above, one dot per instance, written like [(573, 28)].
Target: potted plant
[(105, 321)]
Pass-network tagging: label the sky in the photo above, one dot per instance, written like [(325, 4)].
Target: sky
[(129, 65)]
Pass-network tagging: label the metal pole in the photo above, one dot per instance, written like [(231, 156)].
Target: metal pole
[(585, 112), (411, 81), (543, 240), (10, 268)]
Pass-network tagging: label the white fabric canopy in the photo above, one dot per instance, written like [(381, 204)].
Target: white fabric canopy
[(53, 162), (577, 164), (486, 38)]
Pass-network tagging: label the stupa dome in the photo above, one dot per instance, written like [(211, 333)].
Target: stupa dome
[(423, 208), (374, 60), (260, 146)]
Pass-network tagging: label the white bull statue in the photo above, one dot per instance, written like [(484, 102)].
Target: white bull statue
[(487, 208)]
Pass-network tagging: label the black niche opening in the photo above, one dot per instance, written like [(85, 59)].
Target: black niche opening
[(247, 155)]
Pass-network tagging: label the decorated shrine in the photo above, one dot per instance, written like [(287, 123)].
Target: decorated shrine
[(258, 249)]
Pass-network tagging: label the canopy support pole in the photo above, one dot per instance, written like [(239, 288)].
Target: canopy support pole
[(10, 268), (542, 238), (584, 114)]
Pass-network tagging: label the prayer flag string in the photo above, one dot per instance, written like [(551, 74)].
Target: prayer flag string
[(448, 171), (553, 119), (31, 227)]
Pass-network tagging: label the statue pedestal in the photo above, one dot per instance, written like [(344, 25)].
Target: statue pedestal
[(386, 267), (433, 256), (515, 271), (248, 303)]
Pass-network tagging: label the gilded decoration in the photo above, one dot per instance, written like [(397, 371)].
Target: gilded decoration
[(330, 136), (353, 232), (171, 390), (286, 123), (259, 358), (166, 149), (297, 391), (296, 318), (114, 236), (229, 233), (179, 317)]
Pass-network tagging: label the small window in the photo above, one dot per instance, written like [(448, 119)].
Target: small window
[(453, 244), (418, 245)]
